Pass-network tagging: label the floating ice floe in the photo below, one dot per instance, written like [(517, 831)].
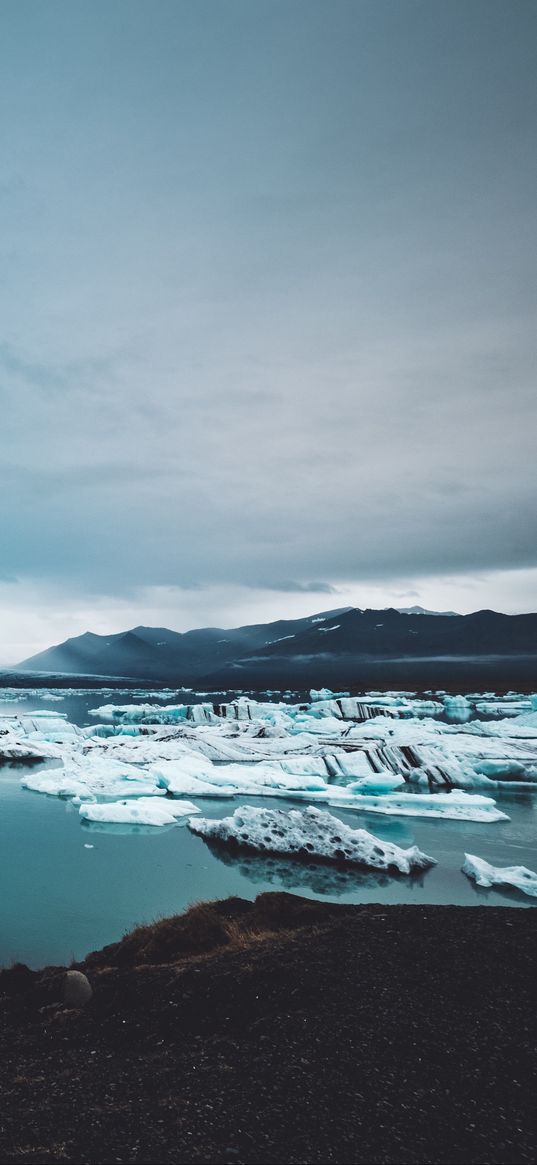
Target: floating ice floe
[(456, 703), (325, 694), (11, 750), (309, 833), (503, 707), (486, 875), (141, 811), (53, 727), (96, 778), (454, 806), (458, 709)]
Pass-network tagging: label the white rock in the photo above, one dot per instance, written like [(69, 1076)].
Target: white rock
[(77, 990)]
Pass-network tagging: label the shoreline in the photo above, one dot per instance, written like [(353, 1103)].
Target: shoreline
[(284, 1030)]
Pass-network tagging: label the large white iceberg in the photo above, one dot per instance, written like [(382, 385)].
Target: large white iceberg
[(309, 833), (486, 875)]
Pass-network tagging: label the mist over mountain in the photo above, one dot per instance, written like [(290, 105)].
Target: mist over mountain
[(342, 646)]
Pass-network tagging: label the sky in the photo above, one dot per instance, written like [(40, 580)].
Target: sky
[(267, 310)]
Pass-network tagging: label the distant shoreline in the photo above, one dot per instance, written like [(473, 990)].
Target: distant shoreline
[(524, 684)]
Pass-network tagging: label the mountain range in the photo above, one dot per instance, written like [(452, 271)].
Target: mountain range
[(385, 648)]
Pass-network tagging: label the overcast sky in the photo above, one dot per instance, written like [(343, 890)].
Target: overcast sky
[(267, 310)]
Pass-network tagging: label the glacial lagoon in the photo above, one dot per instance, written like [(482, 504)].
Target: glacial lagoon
[(71, 886)]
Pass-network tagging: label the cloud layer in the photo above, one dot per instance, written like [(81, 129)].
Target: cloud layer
[(267, 306)]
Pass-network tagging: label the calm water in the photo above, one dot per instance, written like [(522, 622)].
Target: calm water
[(61, 899)]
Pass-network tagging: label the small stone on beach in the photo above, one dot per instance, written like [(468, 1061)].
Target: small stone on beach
[(77, 990)]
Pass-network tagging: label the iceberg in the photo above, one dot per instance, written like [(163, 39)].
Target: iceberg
[(503, 769), (503, 708), (11, 750), (325, 694), (309, 833), (47, 726), (192, 776), (358, 708), (375, 753), (94, 777), (240, 710), (140, 713), (456, 703), (457, 708), (377, 783), (528, 719), (142, 811), (258, 779), (454, 806), (486, 875)]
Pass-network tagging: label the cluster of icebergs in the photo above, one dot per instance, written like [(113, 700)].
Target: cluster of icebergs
[(382, 753), (313, 833)]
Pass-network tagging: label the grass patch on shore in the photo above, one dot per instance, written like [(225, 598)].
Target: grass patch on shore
[(209, 926)]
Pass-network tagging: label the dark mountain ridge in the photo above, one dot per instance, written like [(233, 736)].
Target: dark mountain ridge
[(343, 646), (158, 653)]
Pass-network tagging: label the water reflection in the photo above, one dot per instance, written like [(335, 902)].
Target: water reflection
[(506, 795), (319, 877), (512, 895), (398, 830)]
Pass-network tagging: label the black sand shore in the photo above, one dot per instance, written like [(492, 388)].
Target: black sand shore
[(282, 1031)]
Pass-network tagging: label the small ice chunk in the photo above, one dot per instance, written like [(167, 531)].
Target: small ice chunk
[(456, 703), (500, 769), (325, 694), (486, 875), (376, 783), (309, 833)]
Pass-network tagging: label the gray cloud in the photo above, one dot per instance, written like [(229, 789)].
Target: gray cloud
[(255, 326), (289, 587)]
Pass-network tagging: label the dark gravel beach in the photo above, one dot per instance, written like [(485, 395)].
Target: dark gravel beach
[(282, 1031)]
